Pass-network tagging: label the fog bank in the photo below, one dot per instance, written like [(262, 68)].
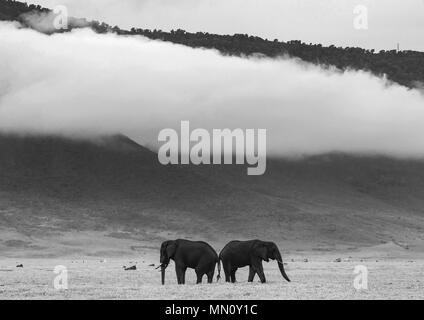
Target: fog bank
[(82, 83)]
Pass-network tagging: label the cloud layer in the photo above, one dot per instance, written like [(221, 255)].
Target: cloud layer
[(88, 84)]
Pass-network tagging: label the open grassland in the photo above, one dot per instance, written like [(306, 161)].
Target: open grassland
[(391, 275)]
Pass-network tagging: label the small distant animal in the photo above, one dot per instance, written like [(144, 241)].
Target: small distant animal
[(130, 268), (20, 266), (151, 265)]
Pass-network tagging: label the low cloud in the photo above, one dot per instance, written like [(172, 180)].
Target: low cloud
[(82, 83)]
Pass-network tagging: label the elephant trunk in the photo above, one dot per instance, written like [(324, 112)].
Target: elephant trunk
[(162, 270), (281, 266), (164, 261)]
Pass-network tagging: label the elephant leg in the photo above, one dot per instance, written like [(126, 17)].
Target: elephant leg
[(227, 272), (210, 276), (252, 273), (180, 274), (199, 277), (177, 271), (233, 275), (202, 269), (183, 275), (260, 271)]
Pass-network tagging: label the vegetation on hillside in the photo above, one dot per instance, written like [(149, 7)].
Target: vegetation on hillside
[(403, 67)]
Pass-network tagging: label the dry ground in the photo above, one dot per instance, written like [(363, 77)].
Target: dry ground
[(76, 203), (394, 273)]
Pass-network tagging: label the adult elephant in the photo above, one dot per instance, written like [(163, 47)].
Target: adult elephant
[(237, 254), (197, 255)]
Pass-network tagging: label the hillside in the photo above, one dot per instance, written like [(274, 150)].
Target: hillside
[(62, 196), (403, 67)]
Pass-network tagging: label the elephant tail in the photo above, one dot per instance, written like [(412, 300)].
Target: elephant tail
[(219, 270)]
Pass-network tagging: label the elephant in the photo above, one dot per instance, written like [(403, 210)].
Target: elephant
[(198, 255), (237, 254)]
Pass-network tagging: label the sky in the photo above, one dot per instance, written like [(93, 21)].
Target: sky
[(88, 84), (389, 22)]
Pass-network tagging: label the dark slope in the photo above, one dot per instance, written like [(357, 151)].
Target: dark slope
[(113, 176), (52, 185)]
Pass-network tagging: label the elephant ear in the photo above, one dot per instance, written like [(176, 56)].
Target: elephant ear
[(261, 251), (170, 249)]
